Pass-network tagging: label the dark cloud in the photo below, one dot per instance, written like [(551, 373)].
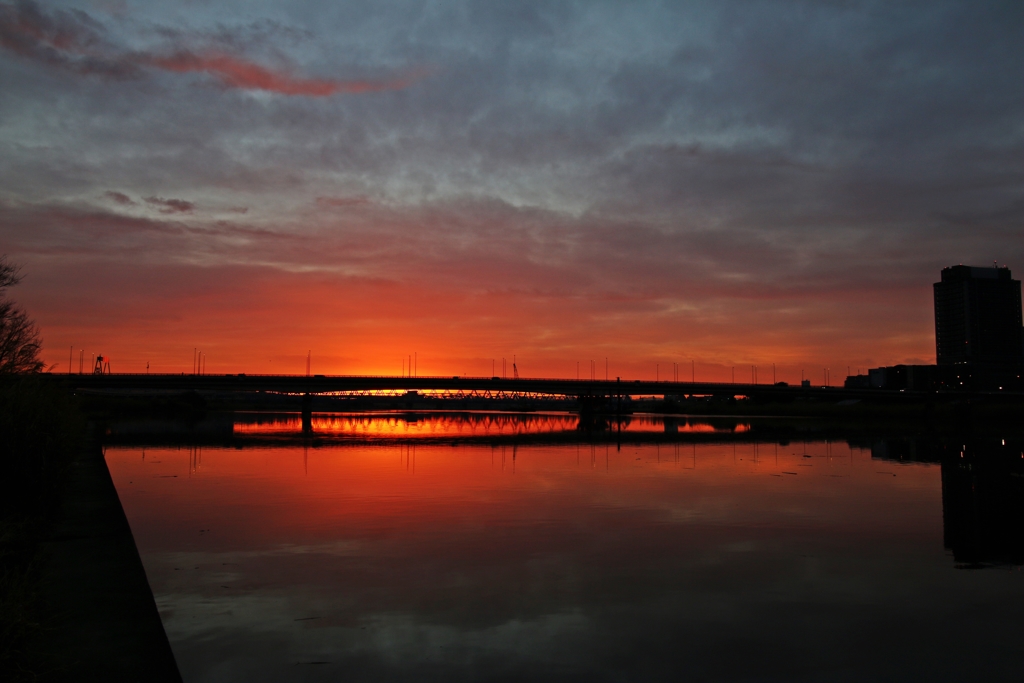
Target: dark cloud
[(67, 39), (341, 202), (119, 197), (171, 205)]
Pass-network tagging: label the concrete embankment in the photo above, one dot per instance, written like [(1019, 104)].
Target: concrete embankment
[(99, 619)]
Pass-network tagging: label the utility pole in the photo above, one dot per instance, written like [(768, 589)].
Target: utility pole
[(71, 354)]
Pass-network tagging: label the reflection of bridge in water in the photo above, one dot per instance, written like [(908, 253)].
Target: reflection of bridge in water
[(235, 428), (465, 425)]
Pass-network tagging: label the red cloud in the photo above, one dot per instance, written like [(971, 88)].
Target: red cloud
[(235, 72), (72, 40)]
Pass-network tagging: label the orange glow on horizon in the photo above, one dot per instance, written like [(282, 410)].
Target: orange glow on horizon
[(265, 323)]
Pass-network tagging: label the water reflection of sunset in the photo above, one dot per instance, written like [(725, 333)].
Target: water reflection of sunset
[(406, 556), (296, 495), (465, 424)]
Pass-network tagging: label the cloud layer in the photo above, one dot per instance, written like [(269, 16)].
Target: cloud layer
[(736, 183)]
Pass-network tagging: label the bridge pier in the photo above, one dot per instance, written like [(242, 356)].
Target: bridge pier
[(603, 403), (307, 413)]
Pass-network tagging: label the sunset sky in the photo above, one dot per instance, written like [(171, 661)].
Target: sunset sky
[(725, 182)]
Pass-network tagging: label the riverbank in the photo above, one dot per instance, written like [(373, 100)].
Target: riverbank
[(98, 619), (75, 603)]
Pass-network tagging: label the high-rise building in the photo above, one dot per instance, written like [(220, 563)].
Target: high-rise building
[(978, 317)]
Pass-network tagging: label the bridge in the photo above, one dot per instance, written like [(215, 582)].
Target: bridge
[(489, 386)]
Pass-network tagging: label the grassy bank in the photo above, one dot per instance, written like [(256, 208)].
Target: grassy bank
[(41, 430)]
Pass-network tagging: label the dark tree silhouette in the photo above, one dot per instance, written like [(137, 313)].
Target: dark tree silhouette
[(19, 336)]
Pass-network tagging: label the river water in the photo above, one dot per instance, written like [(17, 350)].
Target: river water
[(503, 547)]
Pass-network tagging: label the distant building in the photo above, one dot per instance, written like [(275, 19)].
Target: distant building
[(979, 340), (978, 317), (955, 377)]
